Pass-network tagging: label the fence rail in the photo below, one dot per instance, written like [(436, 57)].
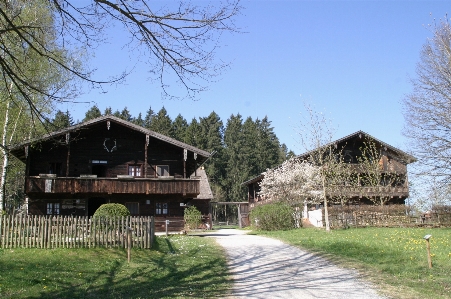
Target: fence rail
[(74, 232), (377, 219)]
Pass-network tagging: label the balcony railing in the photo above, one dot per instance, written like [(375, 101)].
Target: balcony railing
[(363, 191), (120, 185)]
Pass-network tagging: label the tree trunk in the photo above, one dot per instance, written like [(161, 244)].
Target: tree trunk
[(326, 211), (5, 159)]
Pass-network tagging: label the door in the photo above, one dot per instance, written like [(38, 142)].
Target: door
[(94, 204)]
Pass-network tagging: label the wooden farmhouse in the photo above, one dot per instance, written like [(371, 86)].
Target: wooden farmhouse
[(392, 161), (108, 160)]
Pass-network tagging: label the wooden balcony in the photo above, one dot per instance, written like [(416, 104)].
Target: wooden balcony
[(362, 191), (123, 185)]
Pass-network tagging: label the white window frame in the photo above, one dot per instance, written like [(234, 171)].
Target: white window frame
[(53, 208), (161, 208), (135, 170), (158, 169)]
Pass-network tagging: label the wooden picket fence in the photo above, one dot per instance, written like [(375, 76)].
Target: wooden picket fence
[(28, 231)]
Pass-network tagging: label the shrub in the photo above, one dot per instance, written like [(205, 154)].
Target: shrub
[(276, 216), (193, 217), (112, 210)]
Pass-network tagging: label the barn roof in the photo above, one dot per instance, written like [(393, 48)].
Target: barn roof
[(17, 149), (359, 134)]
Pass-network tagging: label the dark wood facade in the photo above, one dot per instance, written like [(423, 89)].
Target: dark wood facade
[(109, 160), (392, 160)]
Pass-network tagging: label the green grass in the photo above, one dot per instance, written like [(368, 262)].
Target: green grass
[(393, 258), (177, 267)]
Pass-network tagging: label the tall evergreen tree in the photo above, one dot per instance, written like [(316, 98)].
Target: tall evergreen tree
[(117, 113), (162, 123), (108, 111), (249, 147), (267, 145), (148, 119), (138, 120), (62, 120), (125, 114), (212, 133), (235, 159), (193, 133), (179, 127), (92, 113)]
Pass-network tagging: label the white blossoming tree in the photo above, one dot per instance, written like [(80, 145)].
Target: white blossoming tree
[(294, 181)]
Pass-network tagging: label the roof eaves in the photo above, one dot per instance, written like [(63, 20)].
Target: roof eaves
[(121, 121)]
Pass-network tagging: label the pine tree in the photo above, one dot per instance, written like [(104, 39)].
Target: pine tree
[(162, 123), (250, 147), (62, 120), (108, 111), (212, 132), (138, 121), (235, 159), (268, 146), (148, 119), (193, 133), (179, 127), (117, 113), (125, 114), (92, 113)]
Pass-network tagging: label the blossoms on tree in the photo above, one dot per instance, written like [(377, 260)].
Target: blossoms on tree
[(293, 181)]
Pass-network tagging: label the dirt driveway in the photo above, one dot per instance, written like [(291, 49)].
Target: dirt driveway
[(267, 268)]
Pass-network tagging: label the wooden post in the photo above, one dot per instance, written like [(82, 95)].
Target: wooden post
[(145, 155), (185, 157), (152, 231), (167, 224), (68, 153), (129, 243), (428, 248)]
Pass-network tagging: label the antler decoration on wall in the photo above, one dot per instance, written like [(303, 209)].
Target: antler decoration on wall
[(105, 146)]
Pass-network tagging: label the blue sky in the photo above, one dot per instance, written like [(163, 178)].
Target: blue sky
[(349, 59)]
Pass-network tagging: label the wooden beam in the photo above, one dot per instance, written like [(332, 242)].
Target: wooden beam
[(68, 153), (145, 155)]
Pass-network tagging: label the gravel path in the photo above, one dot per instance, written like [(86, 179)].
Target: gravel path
[(267, 268)]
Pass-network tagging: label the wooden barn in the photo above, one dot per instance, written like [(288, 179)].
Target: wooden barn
[(392, 160), (109, 160)]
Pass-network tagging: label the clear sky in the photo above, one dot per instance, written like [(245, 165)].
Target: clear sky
[(349, 59)]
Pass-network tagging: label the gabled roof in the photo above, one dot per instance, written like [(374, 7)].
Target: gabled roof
[(121, 122), (360, 134), (254, 179)]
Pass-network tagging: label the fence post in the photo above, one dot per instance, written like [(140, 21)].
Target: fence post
[(167, 224), (129, 243), (152, 231)]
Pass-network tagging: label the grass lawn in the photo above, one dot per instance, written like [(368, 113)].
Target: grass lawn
[(177, 267), (393, 258)]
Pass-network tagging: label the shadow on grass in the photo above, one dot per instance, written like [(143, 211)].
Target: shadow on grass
[(156, 273)]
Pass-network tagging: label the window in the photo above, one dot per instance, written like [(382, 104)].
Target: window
[(161, 208), (53, 208), (134, 170), (163, 170), (133, 207)]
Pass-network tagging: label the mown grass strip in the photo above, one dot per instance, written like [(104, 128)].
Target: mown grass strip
[(394, 258), (177, 267)]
